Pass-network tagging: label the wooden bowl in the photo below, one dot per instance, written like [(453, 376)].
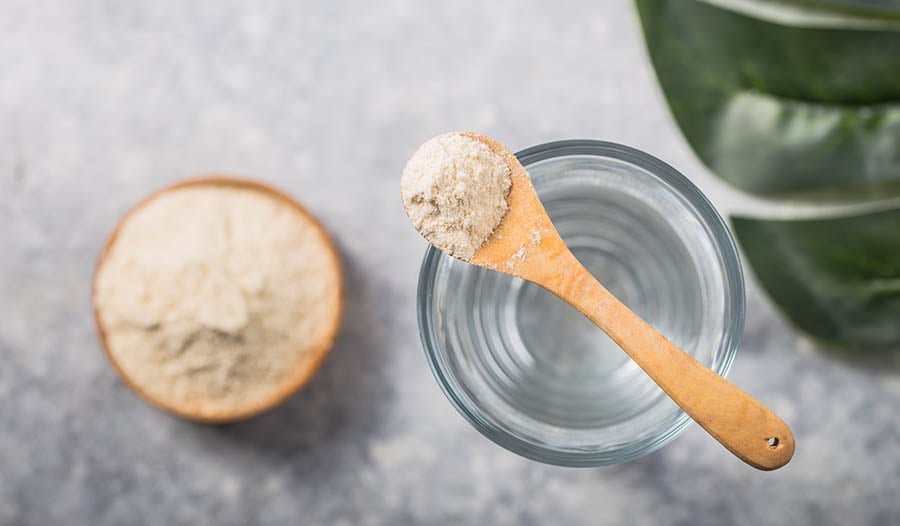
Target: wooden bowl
[(306, 369)]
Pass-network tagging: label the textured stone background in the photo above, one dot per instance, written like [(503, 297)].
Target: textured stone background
[(104, 101)]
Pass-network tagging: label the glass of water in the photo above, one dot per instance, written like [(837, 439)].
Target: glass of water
[(538, 378)]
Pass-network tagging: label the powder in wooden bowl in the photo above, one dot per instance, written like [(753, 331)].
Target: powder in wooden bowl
[(217, 298), (455, 190)]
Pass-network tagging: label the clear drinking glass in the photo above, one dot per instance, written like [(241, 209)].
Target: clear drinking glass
[(537, 377)]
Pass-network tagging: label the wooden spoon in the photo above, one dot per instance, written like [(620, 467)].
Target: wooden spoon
[(527, 245)]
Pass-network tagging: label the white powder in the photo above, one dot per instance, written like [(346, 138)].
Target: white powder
[(213, 299), (455, 191)]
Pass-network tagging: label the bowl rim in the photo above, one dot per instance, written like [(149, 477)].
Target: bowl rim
[(305, 371), (715, 227)]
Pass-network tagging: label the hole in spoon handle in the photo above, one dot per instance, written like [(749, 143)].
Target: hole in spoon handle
[(776, 448)]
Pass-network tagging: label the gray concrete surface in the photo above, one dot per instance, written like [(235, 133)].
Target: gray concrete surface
[(104, 101)]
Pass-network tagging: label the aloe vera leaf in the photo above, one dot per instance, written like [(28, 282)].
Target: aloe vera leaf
[(837, 279)]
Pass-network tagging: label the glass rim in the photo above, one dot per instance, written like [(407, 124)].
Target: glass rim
[(714, 226)]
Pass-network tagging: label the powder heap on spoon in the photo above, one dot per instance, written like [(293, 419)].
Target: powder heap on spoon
[(455, 191)]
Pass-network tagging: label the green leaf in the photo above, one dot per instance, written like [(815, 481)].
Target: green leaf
[(838, 279), (776, 107), (872, 14), (873, 5), (887, 6)]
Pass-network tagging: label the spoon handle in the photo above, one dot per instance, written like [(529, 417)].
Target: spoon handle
[(738, 421)]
